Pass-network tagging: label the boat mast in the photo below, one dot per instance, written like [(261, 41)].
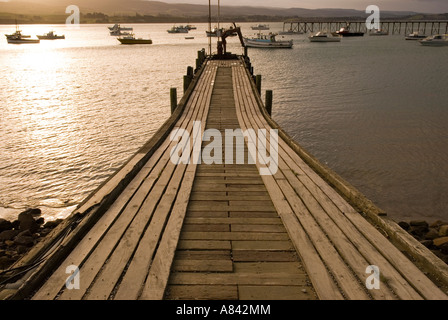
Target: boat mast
[(219, 13), (209, 27)]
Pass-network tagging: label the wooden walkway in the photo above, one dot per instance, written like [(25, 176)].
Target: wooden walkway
[(223, 231)]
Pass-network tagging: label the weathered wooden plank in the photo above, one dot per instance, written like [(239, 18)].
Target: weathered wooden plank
[(204, 245), (262, 255), (203, 255), (258, 228), (208, 265), (275, 293), (269, 267), (200, 278), (202, 292), (233, 236), (235, 221), (205, 227), (263, 245)]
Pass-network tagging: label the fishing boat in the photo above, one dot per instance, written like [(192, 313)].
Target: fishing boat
[(131, 39), (17, 38), (438, 40), (51, 36), (416, 35), (323, 36), (346, 32), (267, 41), (190, 27), (178, 29), (260, 27), (119, 27), (17, 33), (378, 32)]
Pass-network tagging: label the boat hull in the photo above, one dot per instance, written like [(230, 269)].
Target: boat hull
[(135, 41), (325, 39), (434, 43), (23, 41), (267, 44), (349, 34), (51, 38)]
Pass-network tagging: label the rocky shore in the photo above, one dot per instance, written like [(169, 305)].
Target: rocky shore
[(19, 236), (434, 235)]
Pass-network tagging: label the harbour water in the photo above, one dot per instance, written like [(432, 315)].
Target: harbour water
[(374, 109)]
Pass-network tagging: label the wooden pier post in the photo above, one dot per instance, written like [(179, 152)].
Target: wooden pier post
[(268, 103), (173, 99), (258, 82), (190, 71)]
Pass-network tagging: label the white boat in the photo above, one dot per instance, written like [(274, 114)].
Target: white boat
[(178, 29), (260, 27), (416, 35), (119, 32), (438, 40), (267, 41), (323, 36), (119, 27), (378, 32)]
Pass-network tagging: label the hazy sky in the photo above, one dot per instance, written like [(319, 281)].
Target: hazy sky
[(434, 6)]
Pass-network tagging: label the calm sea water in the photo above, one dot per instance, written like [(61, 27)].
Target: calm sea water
[(374, 109)]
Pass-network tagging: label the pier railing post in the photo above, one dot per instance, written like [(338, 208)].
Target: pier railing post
[(258, 82), (190, 71), (173, 99), (268, 102)]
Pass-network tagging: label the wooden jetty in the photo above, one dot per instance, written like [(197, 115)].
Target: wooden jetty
[(405, 27), (163, 230)]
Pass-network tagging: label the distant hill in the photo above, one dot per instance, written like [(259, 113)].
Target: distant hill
[(105, 11), (130, 7)]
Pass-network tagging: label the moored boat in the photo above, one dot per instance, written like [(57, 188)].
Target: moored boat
[(119, 27), (438, 40), (18, 38), (178, 29), (131, 39), (260, 27), (267, 41), (346, 32), (416, 35), (323, 36), (51, 36), (378, 32)]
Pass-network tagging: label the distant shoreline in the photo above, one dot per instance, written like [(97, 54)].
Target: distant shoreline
[(101, 18)]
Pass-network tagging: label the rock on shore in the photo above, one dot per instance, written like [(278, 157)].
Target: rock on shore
[(19, 236), (434, 236)]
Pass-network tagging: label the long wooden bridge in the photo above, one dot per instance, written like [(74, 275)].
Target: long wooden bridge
[(212, 229), (405, 27)]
